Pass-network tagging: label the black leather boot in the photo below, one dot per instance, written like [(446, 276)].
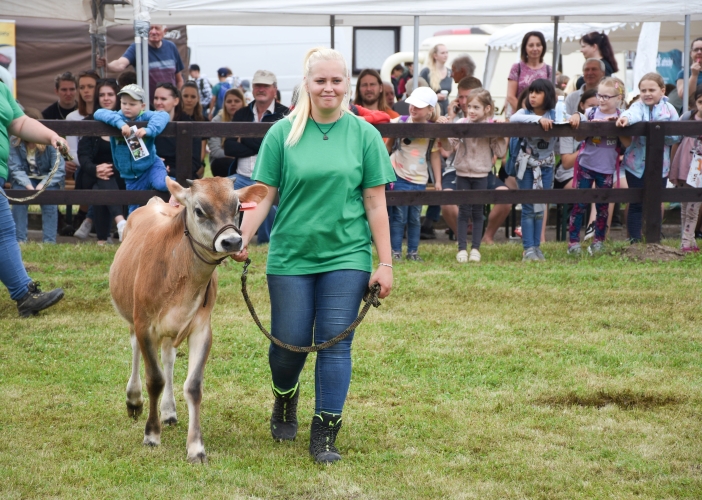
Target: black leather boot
[(35, 300), (284, 417), (325, 428)]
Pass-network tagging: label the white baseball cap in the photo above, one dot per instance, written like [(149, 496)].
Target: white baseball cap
[(422, 97)]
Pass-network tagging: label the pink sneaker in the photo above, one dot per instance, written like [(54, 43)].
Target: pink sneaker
[(690, 249)]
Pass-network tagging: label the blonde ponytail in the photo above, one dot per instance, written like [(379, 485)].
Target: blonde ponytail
[(298, 117)]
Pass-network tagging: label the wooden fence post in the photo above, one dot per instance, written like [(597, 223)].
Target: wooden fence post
[(653, 184), (184, 152)]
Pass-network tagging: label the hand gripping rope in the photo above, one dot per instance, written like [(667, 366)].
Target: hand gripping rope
[(63, 149), (370, 298)]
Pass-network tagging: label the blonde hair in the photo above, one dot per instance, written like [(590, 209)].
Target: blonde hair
[(303, 107), (617, 85), (434, 76), (16, 141), (484, 97)]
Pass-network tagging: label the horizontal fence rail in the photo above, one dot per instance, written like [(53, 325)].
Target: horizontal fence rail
[(652, 195)]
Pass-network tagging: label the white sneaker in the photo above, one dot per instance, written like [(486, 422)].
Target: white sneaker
[(84, 229), (474, 255), (462, 256), (120, 228)]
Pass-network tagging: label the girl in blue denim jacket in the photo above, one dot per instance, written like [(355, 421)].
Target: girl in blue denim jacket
[(29, 167), (652, 106), (147, 172)]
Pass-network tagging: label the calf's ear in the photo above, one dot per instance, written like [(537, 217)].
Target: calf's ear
[(252, 194), (179, 192)]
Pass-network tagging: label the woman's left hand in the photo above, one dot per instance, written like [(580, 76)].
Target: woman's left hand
[(440, 97), (382, 276)]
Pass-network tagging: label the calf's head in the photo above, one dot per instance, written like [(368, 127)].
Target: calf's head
[(212, 204)]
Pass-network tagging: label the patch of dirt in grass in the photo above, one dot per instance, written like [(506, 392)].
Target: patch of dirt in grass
[(653, 251), (31, 268), (626, 400)]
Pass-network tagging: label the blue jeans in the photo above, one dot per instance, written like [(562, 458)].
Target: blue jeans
[(533, 221), (264, 232), (49, 217), (12, 272), (153, 178), (320, 305), (405, 215)]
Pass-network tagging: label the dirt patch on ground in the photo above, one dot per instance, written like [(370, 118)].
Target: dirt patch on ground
[(654, 252), (625, 400), (31, 268)]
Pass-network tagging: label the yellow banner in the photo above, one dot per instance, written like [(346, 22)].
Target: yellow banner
[(8, 55)]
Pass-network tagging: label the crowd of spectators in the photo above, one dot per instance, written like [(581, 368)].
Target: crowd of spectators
[(446, 93)]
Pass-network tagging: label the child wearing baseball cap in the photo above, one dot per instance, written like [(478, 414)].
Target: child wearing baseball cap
[(147, 172), (409, 159)]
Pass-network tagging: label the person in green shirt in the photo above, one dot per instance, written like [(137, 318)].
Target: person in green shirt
[(329, 169), (29, 297)]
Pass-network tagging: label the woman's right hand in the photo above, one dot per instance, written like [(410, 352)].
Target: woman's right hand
[(104, 171), (241, 255)]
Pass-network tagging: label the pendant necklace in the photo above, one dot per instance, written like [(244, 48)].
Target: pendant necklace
[(322, 131)]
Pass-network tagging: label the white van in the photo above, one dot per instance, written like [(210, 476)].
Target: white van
[(472, 42)]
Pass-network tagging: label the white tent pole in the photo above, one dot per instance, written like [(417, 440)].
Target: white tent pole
[(332, 23), (137, 42), (415, 77), (555, 50), (686, 65), (137, 51), (145, 66)]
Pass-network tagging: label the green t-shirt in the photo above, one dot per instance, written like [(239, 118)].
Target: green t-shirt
[(9, 111), (321, 223)]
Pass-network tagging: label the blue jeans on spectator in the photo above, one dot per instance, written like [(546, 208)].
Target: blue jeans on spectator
[(12, 272), (321, 305), (634, 217), (154, 178), (264, 231), (49, 217), (408, 215), (533, 221)]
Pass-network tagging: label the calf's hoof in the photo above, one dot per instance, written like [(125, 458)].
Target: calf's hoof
[(152, 440), (134, 410), (200, 458), (170, 421)]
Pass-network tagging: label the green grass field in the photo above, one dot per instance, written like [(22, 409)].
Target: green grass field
[(567, 379)]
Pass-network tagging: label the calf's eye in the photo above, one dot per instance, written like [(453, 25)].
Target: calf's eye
[(199, 212)]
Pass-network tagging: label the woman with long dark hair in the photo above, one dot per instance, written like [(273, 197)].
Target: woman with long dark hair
[(167, 98), (597, 46), (97, 167), (190, 96), (531, 67)]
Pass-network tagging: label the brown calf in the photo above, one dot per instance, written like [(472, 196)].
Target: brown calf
[(163, 282)]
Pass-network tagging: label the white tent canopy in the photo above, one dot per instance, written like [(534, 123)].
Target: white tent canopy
[(402, 12), (362, 12)]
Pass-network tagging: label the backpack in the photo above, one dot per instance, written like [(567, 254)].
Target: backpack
[(223, 87)]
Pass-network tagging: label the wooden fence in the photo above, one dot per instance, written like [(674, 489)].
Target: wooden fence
[(651, 195)]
